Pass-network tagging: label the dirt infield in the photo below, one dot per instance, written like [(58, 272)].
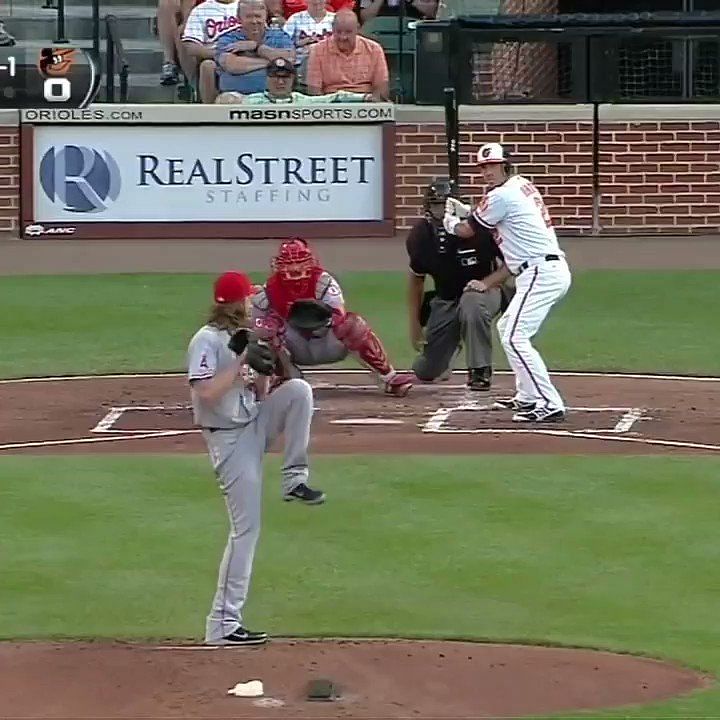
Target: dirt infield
[(378, 679), (136, 414), (608, 414)]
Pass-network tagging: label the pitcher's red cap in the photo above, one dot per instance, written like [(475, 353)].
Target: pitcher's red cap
[(232, 287)]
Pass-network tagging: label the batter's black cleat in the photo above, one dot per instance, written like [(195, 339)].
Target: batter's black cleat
[(305, 494), (241, 637), (479, 379), (513, 404), (540, 415)]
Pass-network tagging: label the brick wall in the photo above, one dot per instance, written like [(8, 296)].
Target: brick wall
[(9, 178), (557, 156), (655, 177), (660, 176)]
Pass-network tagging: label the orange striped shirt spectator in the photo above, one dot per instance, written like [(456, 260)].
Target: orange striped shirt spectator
[(347, 61)]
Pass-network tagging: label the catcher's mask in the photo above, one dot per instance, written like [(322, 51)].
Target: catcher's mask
[(294, 260), (439, 190)]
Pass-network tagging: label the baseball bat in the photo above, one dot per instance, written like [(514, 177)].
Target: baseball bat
[(452, 133)]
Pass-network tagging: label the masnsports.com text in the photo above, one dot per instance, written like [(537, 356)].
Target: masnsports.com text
[(313, 113)]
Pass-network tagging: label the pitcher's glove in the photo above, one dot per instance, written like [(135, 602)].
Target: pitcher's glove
[(309, 315), (259, 355)]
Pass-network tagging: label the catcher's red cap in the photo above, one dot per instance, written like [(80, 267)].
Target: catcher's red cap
[(232, 287)]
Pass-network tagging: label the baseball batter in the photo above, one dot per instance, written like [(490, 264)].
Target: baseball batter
[(229, 371), (298, 276), (515, 211)]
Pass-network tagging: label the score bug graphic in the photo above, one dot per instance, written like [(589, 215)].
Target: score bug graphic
[(54, 65)]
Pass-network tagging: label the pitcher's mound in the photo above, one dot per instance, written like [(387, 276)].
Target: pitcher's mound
[(374, 679)]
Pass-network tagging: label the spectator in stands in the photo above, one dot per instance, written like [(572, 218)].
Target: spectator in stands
[(276, 13), (206, 24), (243, 55), (295, 6), (306, 28), (6, 39), (171, 18), (280, 78), (414, 9), (347, 61)]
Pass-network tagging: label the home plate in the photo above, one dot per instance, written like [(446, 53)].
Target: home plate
[(367, 421)]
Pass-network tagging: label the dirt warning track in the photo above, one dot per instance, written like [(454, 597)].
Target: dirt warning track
[(609, 413)]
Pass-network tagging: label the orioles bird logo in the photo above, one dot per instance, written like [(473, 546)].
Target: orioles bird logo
[(55, 62)]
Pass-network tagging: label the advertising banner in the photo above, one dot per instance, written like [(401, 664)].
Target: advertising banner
[(246, 173)]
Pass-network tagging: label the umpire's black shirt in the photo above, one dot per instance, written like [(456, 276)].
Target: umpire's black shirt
[(451, 261)]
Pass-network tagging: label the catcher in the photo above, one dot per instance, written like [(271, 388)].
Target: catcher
[(301, 313), (452, 315)]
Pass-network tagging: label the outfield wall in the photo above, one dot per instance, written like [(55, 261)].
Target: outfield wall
[(659, 166)]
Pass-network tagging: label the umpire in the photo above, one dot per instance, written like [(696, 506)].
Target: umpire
[(450, 315)]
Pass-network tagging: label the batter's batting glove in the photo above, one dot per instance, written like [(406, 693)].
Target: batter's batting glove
[(309, 315), (457, 208)]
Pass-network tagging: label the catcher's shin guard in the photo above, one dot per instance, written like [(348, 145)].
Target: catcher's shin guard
[(357, 336)]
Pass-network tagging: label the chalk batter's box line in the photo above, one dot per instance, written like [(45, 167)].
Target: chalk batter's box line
[(438, 421)]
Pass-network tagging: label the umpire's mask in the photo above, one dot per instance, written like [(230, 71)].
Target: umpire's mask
[(436, 193)]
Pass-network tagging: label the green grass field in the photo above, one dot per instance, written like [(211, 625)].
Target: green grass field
[(653, 321), (615, 553)]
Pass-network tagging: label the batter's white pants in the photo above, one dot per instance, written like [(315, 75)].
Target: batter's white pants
[(538, 289)]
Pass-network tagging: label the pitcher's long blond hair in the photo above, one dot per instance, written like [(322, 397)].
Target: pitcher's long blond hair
[(230, 316)]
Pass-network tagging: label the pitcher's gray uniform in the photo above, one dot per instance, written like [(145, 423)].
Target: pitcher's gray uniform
[(316, 348), (238, 430)]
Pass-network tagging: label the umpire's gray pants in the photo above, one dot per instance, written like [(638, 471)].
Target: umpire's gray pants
[(237, 457), (451, 321)]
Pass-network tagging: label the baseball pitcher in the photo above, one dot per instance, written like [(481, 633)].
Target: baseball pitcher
[(229, 371), (301, 313), (451, 316), (514, 209)]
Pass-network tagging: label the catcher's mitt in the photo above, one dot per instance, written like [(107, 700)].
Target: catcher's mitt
[(309, 315)]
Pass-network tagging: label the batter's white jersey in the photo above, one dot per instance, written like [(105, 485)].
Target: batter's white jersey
[(516, 212)]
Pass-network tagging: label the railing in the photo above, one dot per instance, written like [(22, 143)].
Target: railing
[(115, 53), (60, 38)]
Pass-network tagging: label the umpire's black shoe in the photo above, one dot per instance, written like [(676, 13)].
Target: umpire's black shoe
[(479, 378), (242, 636), (306, 495)]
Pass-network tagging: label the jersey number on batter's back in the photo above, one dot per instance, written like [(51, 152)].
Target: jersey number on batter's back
[(531, 191)]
